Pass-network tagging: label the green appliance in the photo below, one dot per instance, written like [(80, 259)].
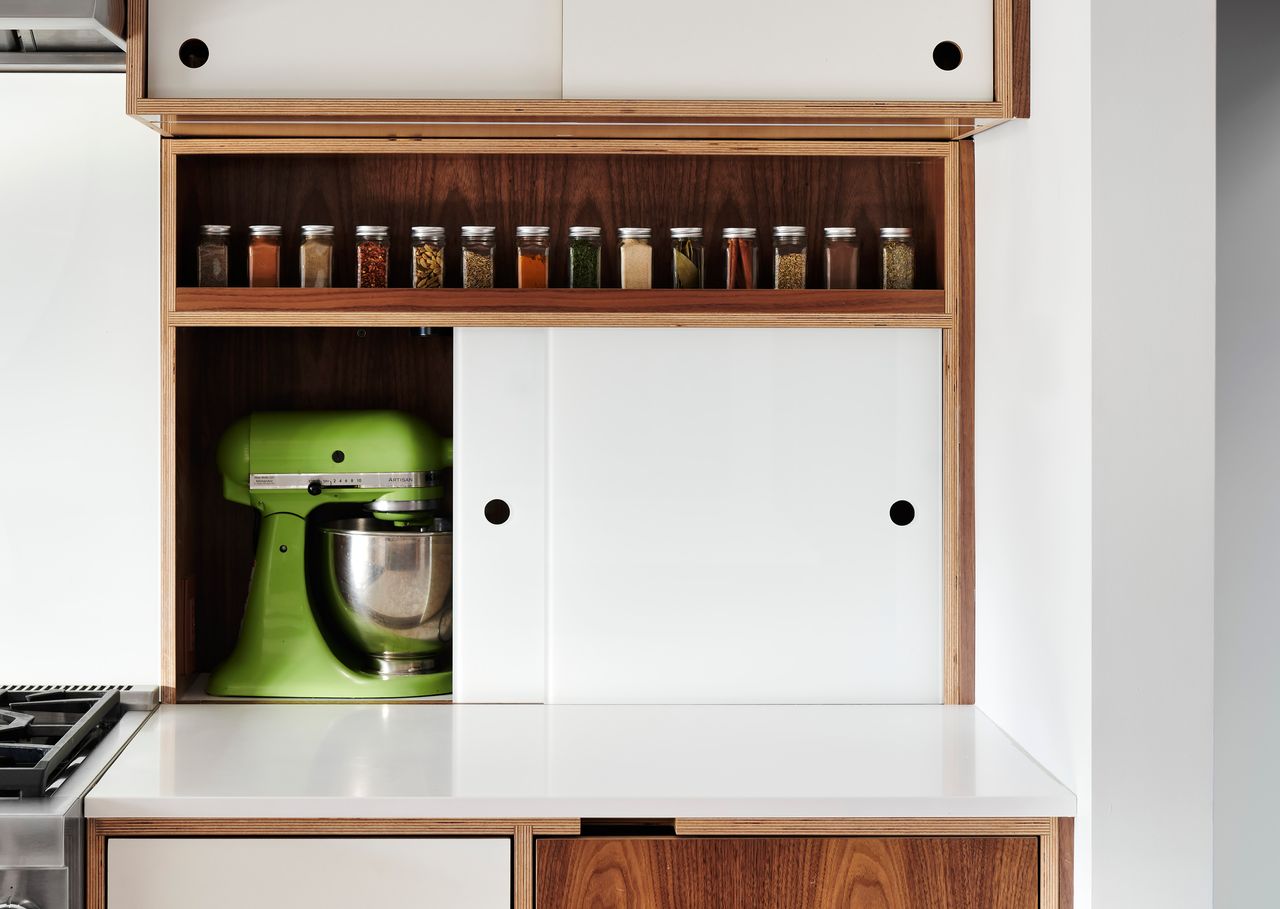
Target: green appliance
[(350, 594)]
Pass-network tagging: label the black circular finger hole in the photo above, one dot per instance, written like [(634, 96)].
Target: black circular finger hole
[(339, 456), (497, 511), (947, 55), (193, 53), (902, 512)]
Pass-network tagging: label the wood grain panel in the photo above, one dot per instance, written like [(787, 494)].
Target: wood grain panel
[(965, 565), (1019, 104), (854, 873), (210, 826), (223, 374), (659, 190), (864, 826)]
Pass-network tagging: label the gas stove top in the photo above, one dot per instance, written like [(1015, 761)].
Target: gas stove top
[(46, 733)]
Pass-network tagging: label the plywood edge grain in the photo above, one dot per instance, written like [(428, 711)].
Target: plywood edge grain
[(558, 146), (522, 866), (95, 865), (911, 826), (1066, 862), (146, 826), (964, 527), (135, 56)]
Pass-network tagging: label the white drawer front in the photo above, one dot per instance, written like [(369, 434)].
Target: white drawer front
[(769, 50), (302, 873), (373, 49)]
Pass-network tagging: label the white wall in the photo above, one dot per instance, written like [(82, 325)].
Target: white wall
[(1246, 620), (1033, 417), (79, 383), (1153, 352)]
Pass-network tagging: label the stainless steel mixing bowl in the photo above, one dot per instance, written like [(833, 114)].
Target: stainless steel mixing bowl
[(388, 587)]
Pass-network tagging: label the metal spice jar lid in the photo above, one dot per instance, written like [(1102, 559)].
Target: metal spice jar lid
[(426, 233), (686, 233), (740, 232), (316, 230), (215, 229), (527, 231), (375, 231), (791, 230), (895, 231), (840, 233), (634, 233), (472, 230), (584, 231), (264, 230)]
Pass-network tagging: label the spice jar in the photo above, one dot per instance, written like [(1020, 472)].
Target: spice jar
[(584, 257), (211, 255), (790, 251), (740, 257), (373, 249), (477, 256), (315, 256), (842, 258), (635, 255), (897, 258), (427, 262), (264, 255), (533, 257), (687, 257)]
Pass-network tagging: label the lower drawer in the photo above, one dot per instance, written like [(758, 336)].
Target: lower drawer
[(789, 873), (302, 873)]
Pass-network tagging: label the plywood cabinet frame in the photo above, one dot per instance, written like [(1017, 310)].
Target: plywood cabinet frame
[(955, 319), (1055, 837), (587, 118)]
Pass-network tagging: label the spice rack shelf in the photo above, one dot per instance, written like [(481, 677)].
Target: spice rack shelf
[(454, 307)]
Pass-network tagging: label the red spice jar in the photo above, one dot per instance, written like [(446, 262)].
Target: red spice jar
[(373, 250), (264, 255)]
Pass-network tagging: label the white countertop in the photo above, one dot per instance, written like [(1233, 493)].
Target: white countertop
[(534, 761)]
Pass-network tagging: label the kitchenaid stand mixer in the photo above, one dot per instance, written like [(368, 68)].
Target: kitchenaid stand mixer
[(386, 576)]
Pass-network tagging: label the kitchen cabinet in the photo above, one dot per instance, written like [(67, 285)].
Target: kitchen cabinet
[(300, 872), (857, 69), (990, 872)]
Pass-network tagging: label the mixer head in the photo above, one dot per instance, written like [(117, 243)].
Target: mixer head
[(384, 460)]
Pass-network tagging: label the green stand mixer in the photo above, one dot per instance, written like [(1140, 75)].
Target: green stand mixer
[(350, 596)]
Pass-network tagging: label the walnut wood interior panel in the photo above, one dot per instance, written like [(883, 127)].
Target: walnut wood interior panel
[(798, 873), (559, 190), (226, 373)]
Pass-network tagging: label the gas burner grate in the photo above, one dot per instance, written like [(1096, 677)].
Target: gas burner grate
[(46, 730)]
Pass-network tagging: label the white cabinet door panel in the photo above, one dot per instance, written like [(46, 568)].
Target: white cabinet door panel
[(500, 442), (719, 516), (372, 49), (764, 49), (302, 873)]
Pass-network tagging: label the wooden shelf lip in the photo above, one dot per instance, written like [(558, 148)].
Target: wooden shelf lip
[(556, 307)]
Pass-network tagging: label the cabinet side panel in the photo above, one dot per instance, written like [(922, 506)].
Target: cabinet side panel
[(500, 444)]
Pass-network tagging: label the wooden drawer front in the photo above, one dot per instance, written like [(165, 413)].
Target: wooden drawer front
[(799, 873), (301, 873)]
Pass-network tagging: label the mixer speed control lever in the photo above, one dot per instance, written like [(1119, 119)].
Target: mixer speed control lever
[(315, 487)]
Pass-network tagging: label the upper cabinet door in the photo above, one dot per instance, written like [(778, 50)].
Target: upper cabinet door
[(916, 69), (829, 50), (337, 49)]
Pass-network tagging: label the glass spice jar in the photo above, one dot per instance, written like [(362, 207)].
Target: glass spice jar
[(635, 258), (373, 249), (533, 257), (841, 257), (740, 257), (687, 257), (584, 257), (477, 256), (211, 255), (426, 266), (264, 255), (790, 254), (897, 258), (315, 256)]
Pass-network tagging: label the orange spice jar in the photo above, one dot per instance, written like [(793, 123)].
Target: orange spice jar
[(533, 257), (264, 255)]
